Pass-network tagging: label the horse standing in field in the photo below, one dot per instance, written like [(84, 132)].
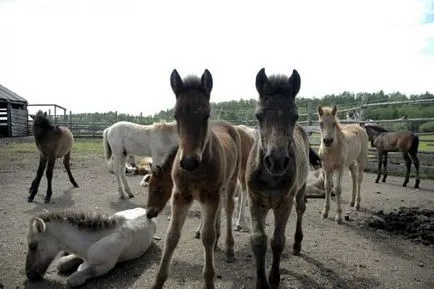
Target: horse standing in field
[(127, 138), (403, 141), (341, 147), (160, 184), (205, 169), (277, 170), (96, 242), (52, 142)]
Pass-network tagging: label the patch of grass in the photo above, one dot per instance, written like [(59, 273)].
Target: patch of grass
[(81, 147)]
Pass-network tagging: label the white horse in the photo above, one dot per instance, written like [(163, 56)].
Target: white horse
[(127, 138), (95, 241)]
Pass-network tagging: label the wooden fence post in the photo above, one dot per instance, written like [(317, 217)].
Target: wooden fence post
[(309, 113), (363, 107), (70, 120)]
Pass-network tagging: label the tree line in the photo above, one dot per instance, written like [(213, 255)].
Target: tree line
[(242, 111)]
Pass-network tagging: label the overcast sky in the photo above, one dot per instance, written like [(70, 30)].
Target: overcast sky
[(105, 55)]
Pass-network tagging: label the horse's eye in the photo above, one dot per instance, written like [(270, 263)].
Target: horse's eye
[(33, 246)]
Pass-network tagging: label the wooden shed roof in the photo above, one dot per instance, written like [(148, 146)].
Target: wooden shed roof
[(10, 96)]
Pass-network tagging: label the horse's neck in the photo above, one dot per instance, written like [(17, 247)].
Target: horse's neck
[(72, 239)]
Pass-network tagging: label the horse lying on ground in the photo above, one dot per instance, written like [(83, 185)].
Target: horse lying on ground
[(127, 138), (130, 163), (52, 142), (341, 147), (143, 169), (386, 141), (96, 242)]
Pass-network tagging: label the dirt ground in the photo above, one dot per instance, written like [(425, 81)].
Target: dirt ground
[(348, 256)]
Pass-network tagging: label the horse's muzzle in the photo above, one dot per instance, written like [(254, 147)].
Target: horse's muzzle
[(328, 141), (276, 165), (33, 276), (189, 163)]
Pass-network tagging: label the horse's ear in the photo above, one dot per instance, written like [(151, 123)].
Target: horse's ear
[(38, 225), (335, 110), (295, 82), (176, 82), (261, 81), (206, 81), (320, 111), (45, 113)]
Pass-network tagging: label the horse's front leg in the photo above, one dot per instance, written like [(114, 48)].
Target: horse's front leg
[(281, 215), (380, 162), (338, 191), (67, 164), (68, 263), (210, 213), (328, 184), (258, 241), (87, 271), (37, 180), (49, 174), (180, 207), (385, 167), (415, 160)]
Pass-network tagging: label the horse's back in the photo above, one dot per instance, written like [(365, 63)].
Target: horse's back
[(138, 230), (66, 141), (357, 142), (229, 141)]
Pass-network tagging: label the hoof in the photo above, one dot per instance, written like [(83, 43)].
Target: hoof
[(46, 201), (347, 218), (357, 206), (29, 199), (131, 196), (197, 235), (352, 204), (296, 248), (404, 184), (229, 256), (237, 228), (376, 181), (338, 220), (325, 215)]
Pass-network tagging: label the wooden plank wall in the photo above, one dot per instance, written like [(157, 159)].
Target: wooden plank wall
[(19, 122)]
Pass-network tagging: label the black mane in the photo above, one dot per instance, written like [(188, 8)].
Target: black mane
[(377, 128), (277, 84), (83, 220)]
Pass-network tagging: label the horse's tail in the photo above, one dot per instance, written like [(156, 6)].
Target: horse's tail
[(415, 145), (107, 148), (314, 159)]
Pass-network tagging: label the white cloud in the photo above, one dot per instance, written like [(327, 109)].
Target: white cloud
[(118, 55)]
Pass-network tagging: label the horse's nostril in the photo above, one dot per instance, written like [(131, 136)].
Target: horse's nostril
[(285, 162), (267, 161)]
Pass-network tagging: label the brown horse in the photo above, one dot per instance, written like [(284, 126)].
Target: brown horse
[(276, 171), (160, 183), (205, 169), (403, 141), (52, 142)]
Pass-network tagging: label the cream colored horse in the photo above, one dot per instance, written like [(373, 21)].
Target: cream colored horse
[(341, 147)]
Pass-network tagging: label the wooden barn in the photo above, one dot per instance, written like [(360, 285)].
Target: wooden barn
[(13, 114)]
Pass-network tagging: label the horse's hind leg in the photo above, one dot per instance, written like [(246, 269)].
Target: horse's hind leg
[(68, 263), (380, 162), (86, 271), (241, 222), (353, 172), (385, 167), (67, 164), (37, 180), (180, 207), (124, 178), (119, 168), (49, 174), (415, 160), (360, 168), (408, 166), (229, 208)]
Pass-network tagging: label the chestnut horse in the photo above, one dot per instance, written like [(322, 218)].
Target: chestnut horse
[(205, 169), (276, 171), (160, 183), (52, 142)]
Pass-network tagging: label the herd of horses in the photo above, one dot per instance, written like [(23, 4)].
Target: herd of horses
[(209, 161)]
